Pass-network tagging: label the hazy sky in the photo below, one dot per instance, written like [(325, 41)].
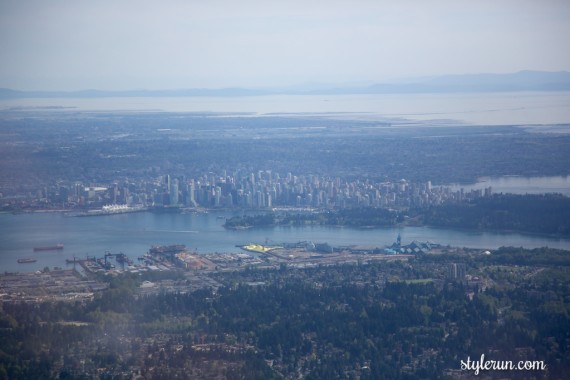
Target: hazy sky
[(114, 44)]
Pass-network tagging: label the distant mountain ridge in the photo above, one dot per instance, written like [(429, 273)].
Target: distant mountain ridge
[(519, 81)]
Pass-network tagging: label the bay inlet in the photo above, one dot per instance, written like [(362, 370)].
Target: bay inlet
[(134, 233)]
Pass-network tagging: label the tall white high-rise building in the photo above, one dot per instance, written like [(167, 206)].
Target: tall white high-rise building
[(174, 193), (217, 196), (192, 195)]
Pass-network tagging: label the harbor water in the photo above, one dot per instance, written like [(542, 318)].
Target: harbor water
[(134, 233)]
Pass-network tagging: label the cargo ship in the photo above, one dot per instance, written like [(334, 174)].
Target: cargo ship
[(174, 248), (25, 261), (49, 248)]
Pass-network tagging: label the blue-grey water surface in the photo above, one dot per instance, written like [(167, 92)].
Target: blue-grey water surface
[(134, 233)]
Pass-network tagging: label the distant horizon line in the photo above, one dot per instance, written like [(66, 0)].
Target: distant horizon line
[(523, 80)]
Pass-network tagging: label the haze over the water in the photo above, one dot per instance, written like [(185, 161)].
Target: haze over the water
[(114, 45)]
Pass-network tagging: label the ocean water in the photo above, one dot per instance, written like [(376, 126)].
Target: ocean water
[(509, 108), (520, 185)]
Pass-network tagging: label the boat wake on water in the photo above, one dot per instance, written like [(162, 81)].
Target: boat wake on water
[(174, 231)]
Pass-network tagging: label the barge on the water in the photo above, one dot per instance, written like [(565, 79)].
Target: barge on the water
[(25, 261), (49, 248)]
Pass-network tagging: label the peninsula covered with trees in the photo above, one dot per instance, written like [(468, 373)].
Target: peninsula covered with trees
[(539, 214)]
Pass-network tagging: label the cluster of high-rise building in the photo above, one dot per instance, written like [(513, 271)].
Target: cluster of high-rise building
[(262, 189)]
